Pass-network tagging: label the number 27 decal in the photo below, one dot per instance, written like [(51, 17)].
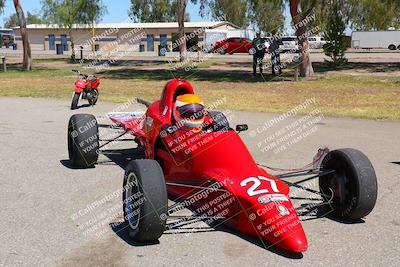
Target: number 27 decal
[(253, 189)]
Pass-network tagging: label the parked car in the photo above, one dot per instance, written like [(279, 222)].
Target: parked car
[(233, 45), (316, 42), (289, 43)]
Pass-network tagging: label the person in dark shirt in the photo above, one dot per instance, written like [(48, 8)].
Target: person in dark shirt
[(275, 54), (258, 51)]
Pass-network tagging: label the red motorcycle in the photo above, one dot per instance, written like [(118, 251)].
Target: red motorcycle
[(86, 86)]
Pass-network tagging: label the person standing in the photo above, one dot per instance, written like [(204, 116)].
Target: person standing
[(275, 54), (258, 51)]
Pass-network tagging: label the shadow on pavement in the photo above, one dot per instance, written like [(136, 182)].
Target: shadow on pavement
[(121, 230), (67, 164)]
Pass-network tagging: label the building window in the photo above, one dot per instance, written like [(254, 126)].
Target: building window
[(64, 42), (192, 42), (164, 41), (52, 42), (150, 42)]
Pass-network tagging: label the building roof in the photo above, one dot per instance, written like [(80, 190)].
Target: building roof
[(156, 25)]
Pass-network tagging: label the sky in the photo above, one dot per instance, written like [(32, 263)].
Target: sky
[(117, 10)]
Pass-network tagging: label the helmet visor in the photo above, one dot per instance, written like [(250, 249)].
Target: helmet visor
[(191, 111)]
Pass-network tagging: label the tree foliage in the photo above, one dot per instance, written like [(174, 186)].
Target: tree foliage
[(361, 14), (234, 11), (266, 15), (66, 13), (375, 14), (155, 11), (2, 4), (12, 21), (94, 11), (334, 34)]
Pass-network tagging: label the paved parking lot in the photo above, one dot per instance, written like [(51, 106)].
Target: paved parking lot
[(40, 195)]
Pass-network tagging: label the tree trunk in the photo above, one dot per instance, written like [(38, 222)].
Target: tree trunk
[(306, 68), (181, 22), (73, 55), (27, 61)]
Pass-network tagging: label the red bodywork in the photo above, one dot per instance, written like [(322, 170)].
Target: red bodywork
[(219, 158), (234, 45), (83, 84)]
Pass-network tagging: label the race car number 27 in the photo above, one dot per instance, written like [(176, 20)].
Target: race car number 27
[(254, 188)]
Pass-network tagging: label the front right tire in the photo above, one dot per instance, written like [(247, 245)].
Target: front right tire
[(83, 140)]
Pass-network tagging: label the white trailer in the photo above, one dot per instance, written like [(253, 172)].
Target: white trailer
[(376, 39)]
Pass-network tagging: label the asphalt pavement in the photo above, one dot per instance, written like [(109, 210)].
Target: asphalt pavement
[(48, 209)]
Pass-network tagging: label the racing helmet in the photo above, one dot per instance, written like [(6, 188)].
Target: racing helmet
[(189, 112)]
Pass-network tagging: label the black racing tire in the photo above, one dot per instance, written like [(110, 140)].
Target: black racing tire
[(75, 100), (398, 47), (145, 200), (83, 140), (392, 47), (221, 123), (352, 188), (222, 52)]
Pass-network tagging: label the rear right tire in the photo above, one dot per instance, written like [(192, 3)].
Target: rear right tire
[(392, 47)]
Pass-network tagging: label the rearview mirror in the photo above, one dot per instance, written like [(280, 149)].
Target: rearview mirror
[(241, 128)]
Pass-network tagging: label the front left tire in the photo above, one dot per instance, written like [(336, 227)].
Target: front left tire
[(352, 189)]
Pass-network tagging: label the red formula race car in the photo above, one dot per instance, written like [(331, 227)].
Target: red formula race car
[(211, 173)]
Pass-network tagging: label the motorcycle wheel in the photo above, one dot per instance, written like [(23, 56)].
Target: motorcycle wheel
[(94, 96), (75, 100)]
